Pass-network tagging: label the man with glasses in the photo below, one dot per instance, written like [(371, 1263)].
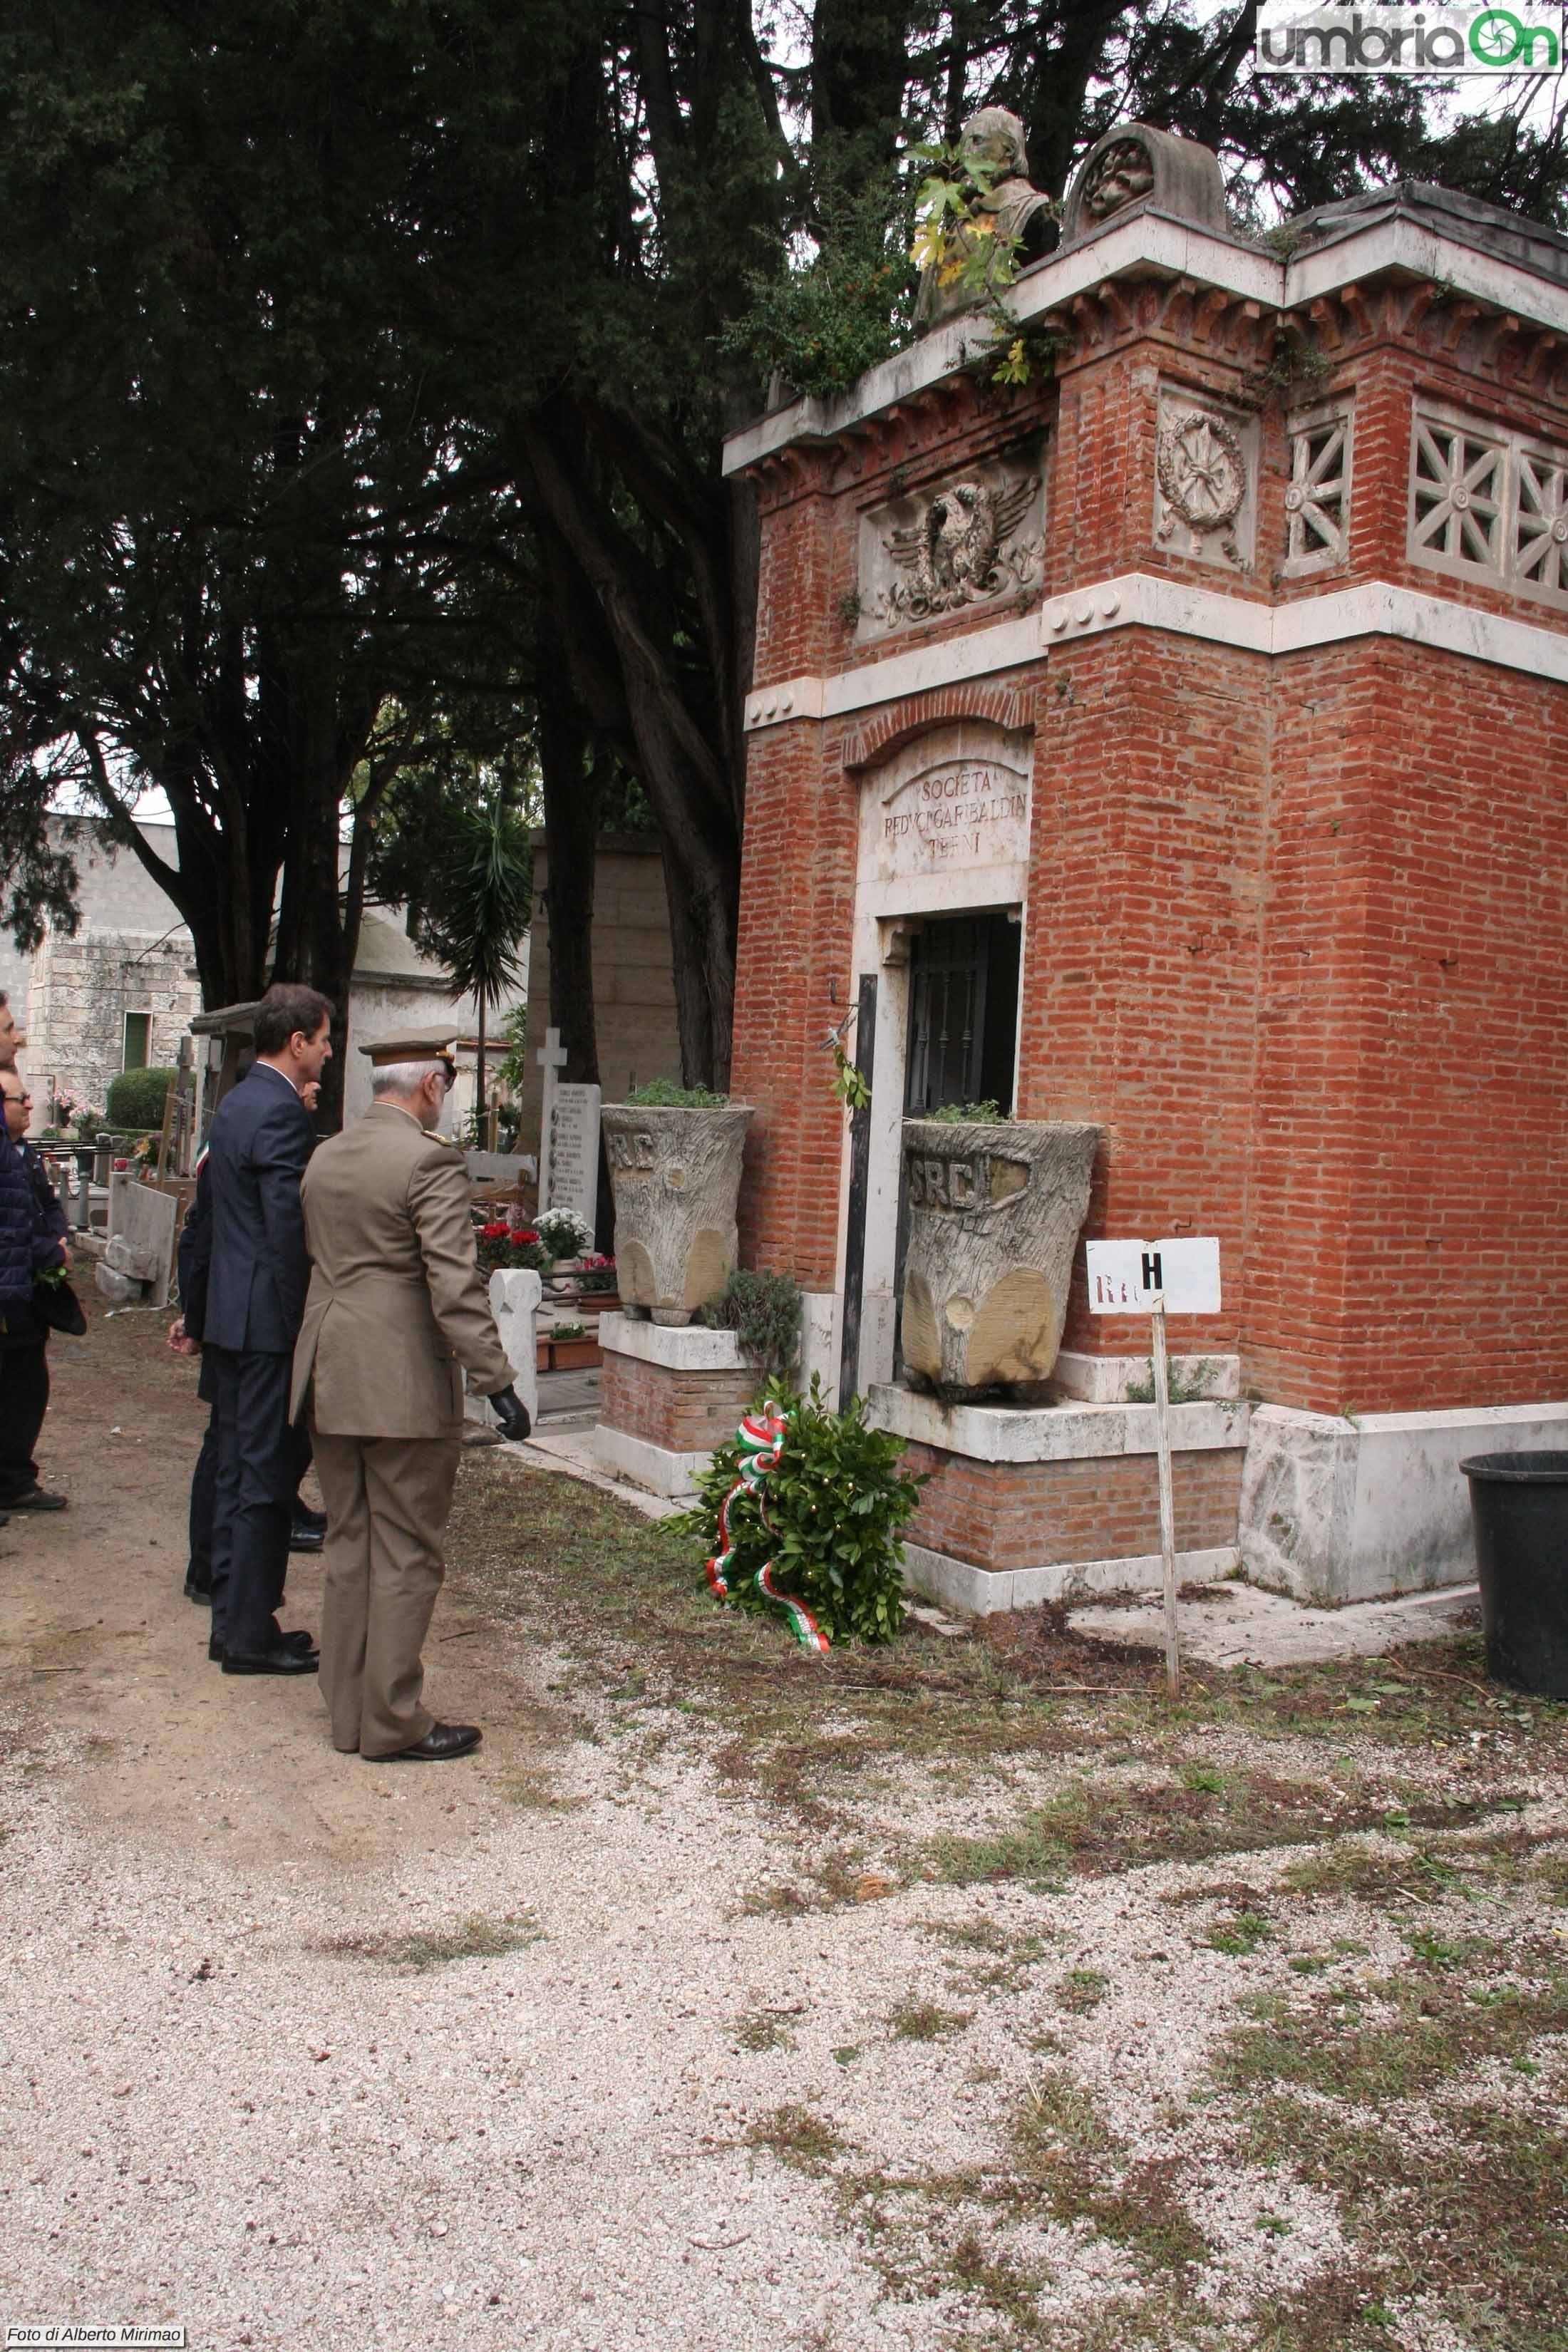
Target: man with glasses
[(396, 1313), (32, 1243)]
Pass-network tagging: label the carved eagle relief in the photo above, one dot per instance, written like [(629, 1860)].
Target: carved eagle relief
[(956, 548)]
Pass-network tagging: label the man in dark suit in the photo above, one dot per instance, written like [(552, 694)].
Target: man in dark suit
[(307, 1530), (256, 1276)]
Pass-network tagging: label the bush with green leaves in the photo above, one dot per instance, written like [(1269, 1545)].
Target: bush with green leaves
[(834, 1507), (663, 1094), (136, 1097), (763, 1310)]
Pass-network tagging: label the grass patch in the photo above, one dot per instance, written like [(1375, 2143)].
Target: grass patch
[(1470, 2221), (923, 2021), (1082, 1990), (798, 2136), (1090, 1829), (1240, 1934), (1067, 2160), (764, 2030), (477, 1937), (1444, 2021)]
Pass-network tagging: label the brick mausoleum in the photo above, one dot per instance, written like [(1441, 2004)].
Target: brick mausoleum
[(1177, 742)]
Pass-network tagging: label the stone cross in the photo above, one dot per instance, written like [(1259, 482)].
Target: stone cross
[(551, 1057)]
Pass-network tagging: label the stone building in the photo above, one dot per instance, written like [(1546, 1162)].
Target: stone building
[(117, 996), (122, 993), (1175, 742)]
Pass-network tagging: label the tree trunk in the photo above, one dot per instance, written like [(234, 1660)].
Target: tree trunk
[(571, 794)]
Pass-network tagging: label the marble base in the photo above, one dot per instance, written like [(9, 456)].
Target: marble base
[(1335, 1510), (657, 1467), (985, 1592)]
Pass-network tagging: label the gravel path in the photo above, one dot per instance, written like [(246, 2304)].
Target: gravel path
[(298, 2050)]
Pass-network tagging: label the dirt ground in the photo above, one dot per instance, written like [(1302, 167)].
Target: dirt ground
[(97, 1635), (958, 1996)]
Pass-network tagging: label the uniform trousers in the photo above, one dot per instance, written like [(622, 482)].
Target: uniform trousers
[(387, 1501)]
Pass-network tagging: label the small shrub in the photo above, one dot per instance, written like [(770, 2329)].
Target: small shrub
[(568, 1331), (826, 1519), (595, 1272), (763, 1310), (988, 1113), (136, 1097), (663, 1094)]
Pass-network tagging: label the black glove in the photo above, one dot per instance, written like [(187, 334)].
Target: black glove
[(511, 1413)]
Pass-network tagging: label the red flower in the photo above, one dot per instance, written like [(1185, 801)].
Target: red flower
[(522, 1233), (496, 1233)]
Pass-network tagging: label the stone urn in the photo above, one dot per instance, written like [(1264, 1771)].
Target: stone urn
[(677, 1178), (995, 1211)]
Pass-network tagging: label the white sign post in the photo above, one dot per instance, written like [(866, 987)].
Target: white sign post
[(1148, 1279)]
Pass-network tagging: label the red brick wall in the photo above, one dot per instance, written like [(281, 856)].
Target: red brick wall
[(1296, 934), (1000, 1514), (689, 1413)]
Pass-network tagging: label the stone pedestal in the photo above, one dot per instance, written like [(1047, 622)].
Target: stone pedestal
[(668, 1397), (1027, 1505), (1334, 1509)]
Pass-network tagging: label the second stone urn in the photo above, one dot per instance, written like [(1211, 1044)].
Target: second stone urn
[(677, 1178), (995, 1211)]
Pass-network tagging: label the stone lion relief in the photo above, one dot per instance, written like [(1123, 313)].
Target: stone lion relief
[(958, 544)]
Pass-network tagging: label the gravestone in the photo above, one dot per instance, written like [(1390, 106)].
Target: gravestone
[(570, 1156), (137, 1266)]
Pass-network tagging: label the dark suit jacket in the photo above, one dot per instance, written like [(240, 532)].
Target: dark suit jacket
[(257, 1270)]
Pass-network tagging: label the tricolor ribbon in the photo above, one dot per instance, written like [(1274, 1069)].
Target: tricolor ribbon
[(761, 1439)]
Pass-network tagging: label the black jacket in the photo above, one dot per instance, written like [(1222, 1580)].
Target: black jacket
[(32, 1227), (257, 1270)]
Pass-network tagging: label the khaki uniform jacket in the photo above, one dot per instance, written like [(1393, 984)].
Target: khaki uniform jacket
[(398, 1308)]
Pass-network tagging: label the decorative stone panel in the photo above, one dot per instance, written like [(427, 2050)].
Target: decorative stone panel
[(1487, 504), (960, 543), (1317, 495), (1205, 480)]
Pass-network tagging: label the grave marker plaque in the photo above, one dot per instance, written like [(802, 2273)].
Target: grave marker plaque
[(571, 1152)]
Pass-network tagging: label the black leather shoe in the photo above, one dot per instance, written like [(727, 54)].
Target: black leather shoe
[(35, 1499), (202, 1594), (442, 1739), (281, 1661), (304, 1517), (298, 1642), (306, 1539)]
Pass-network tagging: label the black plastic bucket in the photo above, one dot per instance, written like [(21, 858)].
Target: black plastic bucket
[(1519, 1503)]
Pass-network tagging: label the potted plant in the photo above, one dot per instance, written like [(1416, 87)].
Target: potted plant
[(994, 1210), (675, 1164), (569, 1347), (500, 1245), (597, 1285), (565, 1233)]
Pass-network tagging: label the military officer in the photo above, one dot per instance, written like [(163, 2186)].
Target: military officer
[(395, 1314)]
